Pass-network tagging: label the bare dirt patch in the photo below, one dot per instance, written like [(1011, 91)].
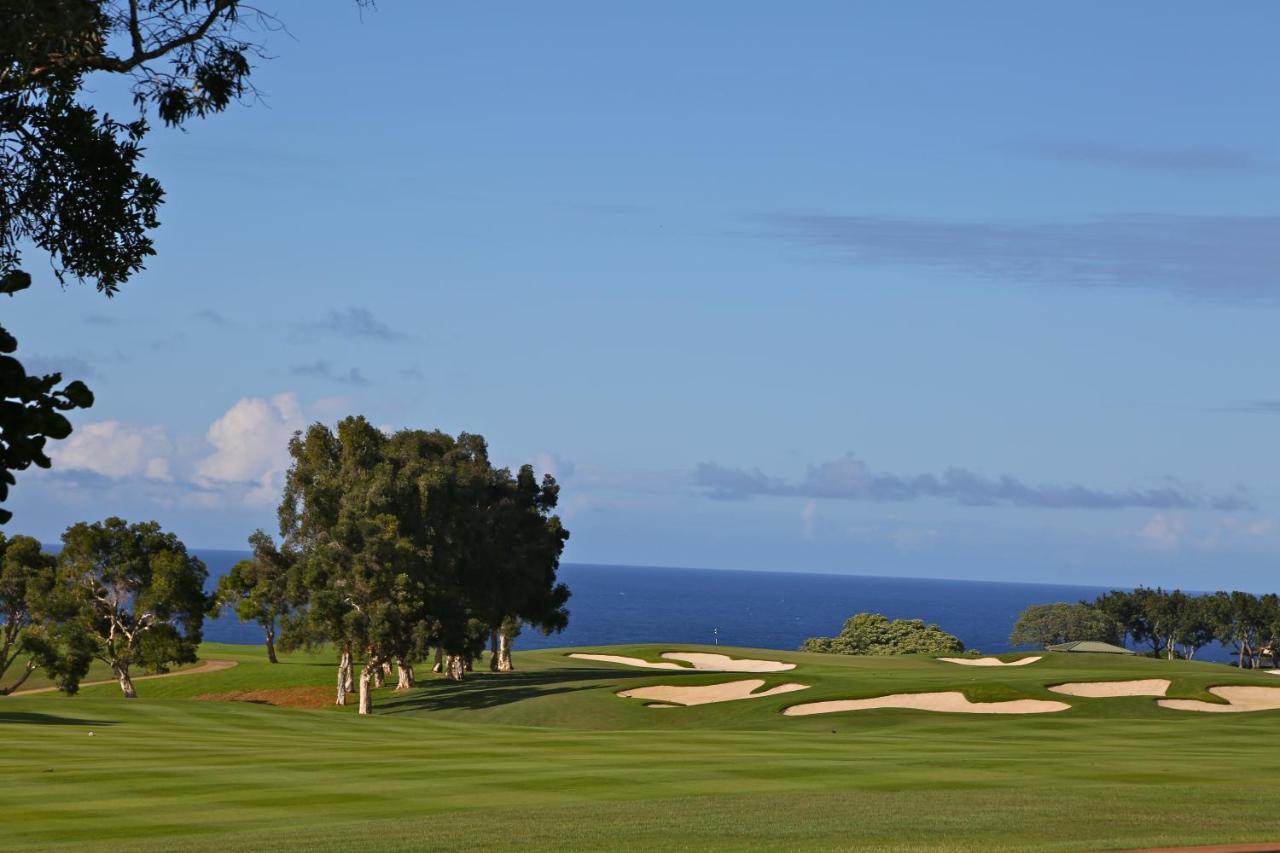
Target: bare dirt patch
[(992, 661), (1111, 689), (312, 698), (1241, 699), (948, 702), (731, 691)]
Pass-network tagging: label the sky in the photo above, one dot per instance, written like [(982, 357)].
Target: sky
[(924, 289)]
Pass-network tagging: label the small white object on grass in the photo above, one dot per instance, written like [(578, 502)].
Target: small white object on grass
[(90, 734)]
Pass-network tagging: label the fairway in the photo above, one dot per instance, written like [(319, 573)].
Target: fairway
[(550, 757)]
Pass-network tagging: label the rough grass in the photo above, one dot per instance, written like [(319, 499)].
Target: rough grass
[(549, 758)]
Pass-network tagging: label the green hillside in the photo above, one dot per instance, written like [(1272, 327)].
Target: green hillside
[(549, 757)]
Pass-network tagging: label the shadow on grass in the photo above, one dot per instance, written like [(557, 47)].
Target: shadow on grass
[(491, 690), (33, 719)]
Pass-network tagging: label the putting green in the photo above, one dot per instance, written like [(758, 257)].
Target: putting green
[(551, 757)]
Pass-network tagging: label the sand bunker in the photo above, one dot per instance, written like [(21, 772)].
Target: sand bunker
[(1242, 699), (950, 702), (696, 660), (730, 691), (1110, 689), (991, 661), (640, 662)]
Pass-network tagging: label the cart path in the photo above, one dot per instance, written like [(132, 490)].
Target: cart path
[(207, 666)]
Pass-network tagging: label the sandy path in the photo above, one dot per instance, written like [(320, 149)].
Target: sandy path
[(207, 666), (701, 661), (730, 691), (949, 702), (1110, 689), (1242, 699), (991, 661)]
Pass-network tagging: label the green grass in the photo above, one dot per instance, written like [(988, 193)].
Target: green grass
[(549, 758)]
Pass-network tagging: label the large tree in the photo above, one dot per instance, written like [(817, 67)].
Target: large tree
[(142, 593), (1047, 624), (35, 613), (258, 588)]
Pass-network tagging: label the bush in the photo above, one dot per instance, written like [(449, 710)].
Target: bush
[(876, 634)]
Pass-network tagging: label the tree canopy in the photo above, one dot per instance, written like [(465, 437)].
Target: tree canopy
[(1062, 622), (71, 180), (876, 634)]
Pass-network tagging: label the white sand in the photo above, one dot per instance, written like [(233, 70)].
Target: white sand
[(1242, 699), (991, 661), (640, 662), (730, 691), (724, 663), (1110, 689), (950, 702), (697, 661)]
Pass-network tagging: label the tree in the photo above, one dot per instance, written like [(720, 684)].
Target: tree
[(258, 588), (142, 595), (70, 179), (1238, 619), (1192, 625), (516, 581), (1048, 624), (35, 610), (1123, 610), (875, 634)]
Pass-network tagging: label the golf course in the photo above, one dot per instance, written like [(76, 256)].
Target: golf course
[(245, 755)]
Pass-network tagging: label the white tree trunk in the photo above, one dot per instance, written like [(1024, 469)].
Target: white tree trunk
[(404, 680), (454, 668), (504, 653), (344, 678), (438, 666), (379, 676), (121, 672), (366, 695)]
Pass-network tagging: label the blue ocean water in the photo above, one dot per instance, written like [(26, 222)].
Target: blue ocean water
[(770, 610)]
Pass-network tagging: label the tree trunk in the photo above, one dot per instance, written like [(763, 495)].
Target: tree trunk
[(344, 678), (366, 696), (26, 673), (504, 654), (121, 672), (454, 668), (438, 666), (379, 675), (1243, 647), (404, 681), (493, 650), (1168, 650), (271, 646), (466, 662)]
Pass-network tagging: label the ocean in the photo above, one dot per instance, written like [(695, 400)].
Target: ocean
[(768, 610)]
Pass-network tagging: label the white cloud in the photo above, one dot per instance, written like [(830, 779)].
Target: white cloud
[(1164, 531), (251, 445), (116, 450)]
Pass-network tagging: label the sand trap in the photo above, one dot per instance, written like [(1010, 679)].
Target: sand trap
[(991, 661), (730, 691), (950, 702), (696, 660), (724, 663), (640, 662), (1110, 689), (1241, 698)]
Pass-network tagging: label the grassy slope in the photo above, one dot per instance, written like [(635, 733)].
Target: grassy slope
[(549, 757)]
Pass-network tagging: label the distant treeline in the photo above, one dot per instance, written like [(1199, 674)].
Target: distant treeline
[(1173, 623), (392, 546)]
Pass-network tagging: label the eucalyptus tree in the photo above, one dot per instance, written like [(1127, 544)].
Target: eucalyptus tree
[(142, 595), (258, 588), (37, 618), (1060, 622), (517, 583)]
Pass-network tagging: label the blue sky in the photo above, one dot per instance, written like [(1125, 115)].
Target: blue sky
[(898, 288)]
